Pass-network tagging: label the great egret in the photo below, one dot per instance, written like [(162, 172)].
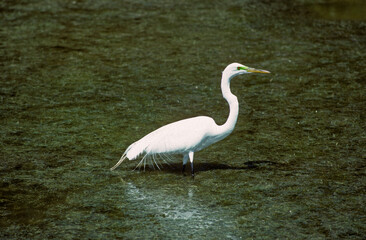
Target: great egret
[(193, 134)]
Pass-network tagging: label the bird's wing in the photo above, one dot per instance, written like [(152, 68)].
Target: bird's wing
[(177, 137)]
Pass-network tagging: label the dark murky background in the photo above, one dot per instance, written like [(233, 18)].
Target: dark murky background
[(81, 80)]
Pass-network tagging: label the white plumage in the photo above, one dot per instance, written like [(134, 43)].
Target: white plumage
[(193, 134)]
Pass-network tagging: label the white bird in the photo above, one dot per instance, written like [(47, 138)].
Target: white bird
[(193, 134)]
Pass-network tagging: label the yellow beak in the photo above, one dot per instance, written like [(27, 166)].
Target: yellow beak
[(253, 70)]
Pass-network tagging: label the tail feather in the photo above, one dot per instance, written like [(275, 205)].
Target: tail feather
[(119, 162), (136, 149), (132, 152)]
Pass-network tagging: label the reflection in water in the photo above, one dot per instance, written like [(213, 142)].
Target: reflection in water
[(175, 211), (190, 193), (134, 192)]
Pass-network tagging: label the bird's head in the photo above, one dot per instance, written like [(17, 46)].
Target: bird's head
[(235, 69)]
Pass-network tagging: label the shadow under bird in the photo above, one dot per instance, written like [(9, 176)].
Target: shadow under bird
[(193, 134)]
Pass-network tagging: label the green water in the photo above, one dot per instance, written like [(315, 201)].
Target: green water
[(81, 80)]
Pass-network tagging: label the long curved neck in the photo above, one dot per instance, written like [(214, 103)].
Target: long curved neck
[(225, 129)]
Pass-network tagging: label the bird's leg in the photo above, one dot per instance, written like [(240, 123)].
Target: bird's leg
[(190, 154), (185, 160)]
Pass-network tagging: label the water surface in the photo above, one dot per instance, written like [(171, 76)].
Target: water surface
[(81, 80)]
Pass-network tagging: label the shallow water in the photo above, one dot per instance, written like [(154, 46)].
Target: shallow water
[(81, 80)]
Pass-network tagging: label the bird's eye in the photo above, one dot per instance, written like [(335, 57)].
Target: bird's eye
[(238, 68)]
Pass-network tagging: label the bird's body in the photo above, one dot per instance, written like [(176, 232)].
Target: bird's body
[(193, 134), (178, 137)]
